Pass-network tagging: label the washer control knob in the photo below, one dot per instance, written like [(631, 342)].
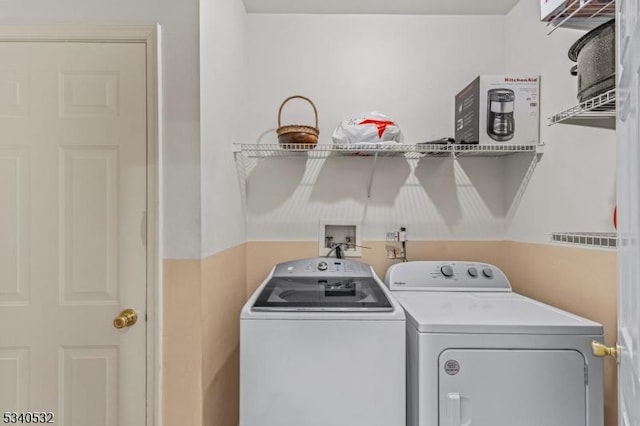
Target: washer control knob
[(473, 272), (322, 266), (487, 272), (447, 271)]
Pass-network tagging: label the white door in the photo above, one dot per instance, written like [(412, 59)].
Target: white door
[(72, 254), (628, 199)]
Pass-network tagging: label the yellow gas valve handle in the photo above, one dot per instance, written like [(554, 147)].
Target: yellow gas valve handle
[(601, 350)]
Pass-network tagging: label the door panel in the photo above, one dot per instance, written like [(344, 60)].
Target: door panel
[(14, 370), (628, 203), (88, 225), (14, 93), (14, 226), (90, 391), (88, 93), (72, 255)]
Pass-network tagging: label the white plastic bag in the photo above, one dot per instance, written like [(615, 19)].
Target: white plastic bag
[(370, 128)]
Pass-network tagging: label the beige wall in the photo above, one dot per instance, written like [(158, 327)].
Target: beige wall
[(202, 302), (223, 295), (182, 344)]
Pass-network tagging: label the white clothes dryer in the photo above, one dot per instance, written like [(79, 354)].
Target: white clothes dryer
[(482, 355), (322, 343)]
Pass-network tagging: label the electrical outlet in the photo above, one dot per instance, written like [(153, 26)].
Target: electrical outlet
[(333, 232)]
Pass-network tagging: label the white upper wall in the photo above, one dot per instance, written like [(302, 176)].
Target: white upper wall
[(180, 92), (573, 187), (408, 67), (223, 71)]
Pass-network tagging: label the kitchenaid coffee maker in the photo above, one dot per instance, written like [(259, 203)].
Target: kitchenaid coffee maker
[(500, 121)]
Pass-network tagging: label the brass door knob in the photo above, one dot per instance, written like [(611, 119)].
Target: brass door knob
[(127, 318), (601, 350)]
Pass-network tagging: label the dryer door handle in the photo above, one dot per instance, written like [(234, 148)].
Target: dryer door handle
[(454, 403)]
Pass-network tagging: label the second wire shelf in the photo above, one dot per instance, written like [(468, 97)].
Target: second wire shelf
[(582, 14), (599, 111)]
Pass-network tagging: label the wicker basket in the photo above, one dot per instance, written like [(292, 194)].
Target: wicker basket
[(298, 137)]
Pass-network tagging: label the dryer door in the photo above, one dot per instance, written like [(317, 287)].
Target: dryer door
[(491, 387)]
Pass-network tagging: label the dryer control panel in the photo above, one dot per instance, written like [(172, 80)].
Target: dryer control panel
[(446, 276)]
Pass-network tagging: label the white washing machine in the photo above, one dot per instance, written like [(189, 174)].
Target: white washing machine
[(480, 355), (322, 343)]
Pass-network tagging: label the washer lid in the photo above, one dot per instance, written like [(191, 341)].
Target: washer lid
[(490, 313), (329, 293)]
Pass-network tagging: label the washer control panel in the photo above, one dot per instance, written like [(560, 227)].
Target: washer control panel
[(446, 276), (324, 266)]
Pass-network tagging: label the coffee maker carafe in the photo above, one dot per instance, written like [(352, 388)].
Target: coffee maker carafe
[(500, 121)]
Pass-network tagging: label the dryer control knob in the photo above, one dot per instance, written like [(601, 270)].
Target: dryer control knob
[(487, 272), (322, 266), (473, 272), (447, 271)]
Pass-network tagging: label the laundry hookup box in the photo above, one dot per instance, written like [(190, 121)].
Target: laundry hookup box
[(495, 109)]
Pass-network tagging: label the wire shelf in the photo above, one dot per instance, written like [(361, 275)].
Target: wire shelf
[(248, 156), (608, 240), (397, 150), (582, 14), (599, 111)]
